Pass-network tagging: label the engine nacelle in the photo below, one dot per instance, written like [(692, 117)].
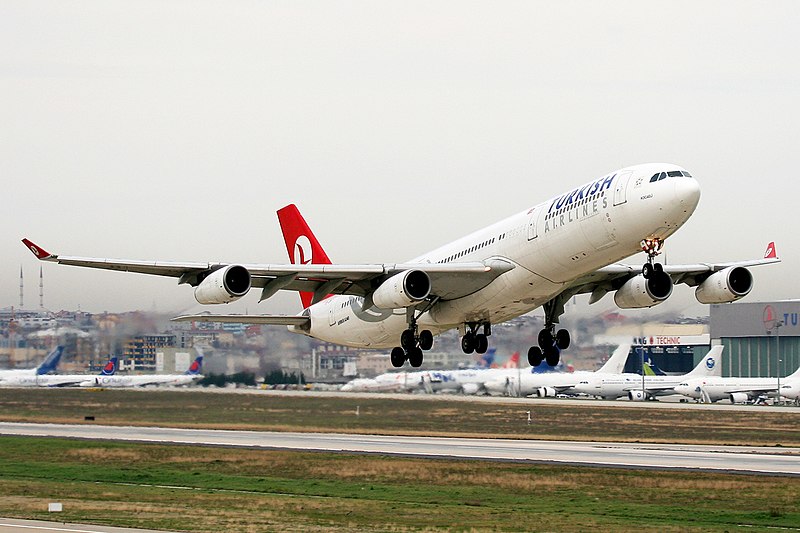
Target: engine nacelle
[(546, 392), (739, 397), (639, 292), (725, 286), (223, 286), (638, 395), (402, 290), (470, 388)]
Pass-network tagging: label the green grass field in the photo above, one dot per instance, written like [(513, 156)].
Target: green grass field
[(219, 489)]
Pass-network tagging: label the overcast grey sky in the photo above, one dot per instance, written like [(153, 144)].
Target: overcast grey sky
[(174, 130)]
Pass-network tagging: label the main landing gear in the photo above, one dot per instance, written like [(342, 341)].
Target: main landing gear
[(550, 341), (472, 341), (412, 343)]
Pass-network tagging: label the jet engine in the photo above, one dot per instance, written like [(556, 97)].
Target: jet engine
[(739, 397), (725, 286), (402, 290), (639, 292), (223, 285), (546, 392), (470, 388), (638, 395)]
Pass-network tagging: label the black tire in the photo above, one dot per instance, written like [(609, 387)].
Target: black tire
[(658, 267), (545, 339), (415, 357), (552, 356), (535, 356), (425, 339), (562, 339), (407, 340), (481, 343), (468, 343), (397, 357), (647, 270)]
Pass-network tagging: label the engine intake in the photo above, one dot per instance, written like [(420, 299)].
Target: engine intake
[(546, 392), (725, 286), (402, 290), (739, 397), (223, 285), (638, 395), (639, 292)]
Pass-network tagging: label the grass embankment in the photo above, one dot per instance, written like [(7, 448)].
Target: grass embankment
[(219, 489), (444, 417)]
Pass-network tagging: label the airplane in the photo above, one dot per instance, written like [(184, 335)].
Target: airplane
[(737, 390), (57, 380), (540, 257), (48, 365), (613, 386), (553, 383), (113, 381)]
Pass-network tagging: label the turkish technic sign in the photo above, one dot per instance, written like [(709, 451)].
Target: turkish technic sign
[(755, 319), (673, 340)]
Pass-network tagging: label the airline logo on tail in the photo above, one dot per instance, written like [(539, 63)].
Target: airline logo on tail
[(51, 361), (301, 244), (513, 362), (196, 366), (110, 368), (770, 253)]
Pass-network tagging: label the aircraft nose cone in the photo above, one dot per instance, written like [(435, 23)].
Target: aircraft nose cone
[(687, 191)]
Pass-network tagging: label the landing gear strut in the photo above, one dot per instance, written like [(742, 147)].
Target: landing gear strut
[(652, 247), (412, 343), (472, 341)]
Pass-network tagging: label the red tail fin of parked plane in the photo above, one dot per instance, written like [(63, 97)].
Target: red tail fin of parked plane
[(301, 244), (513, 362)]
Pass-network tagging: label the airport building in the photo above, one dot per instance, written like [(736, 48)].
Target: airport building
[(761, 339)]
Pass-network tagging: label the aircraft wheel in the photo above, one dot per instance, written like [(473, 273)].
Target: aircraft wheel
[(658, 267), (398, 357), (647, 270), (545, 339), (407, 339), (552, 356), (415, 357), (468, 343), (425, 339), (535, 356), (481, 343), (562, 339)]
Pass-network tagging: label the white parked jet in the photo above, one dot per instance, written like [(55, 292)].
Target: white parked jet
[(48, 365), (737, 390), (540, 257), (553, 383), (191, 375), (613, 386), (56, 380)]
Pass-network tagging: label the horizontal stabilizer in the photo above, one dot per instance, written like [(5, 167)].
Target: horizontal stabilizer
[(275, 320)]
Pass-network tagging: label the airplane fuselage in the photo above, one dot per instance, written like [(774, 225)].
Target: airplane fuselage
[(550, 245)]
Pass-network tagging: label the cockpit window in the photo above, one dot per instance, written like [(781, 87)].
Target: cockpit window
[(662, 176), (654, 178), (687, 174), (674, 173), (658, 176)]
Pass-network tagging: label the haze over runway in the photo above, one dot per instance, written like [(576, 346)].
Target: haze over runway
[(173, 133), (740, 459)]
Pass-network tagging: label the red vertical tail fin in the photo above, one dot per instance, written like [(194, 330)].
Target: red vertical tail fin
[(301, 244)]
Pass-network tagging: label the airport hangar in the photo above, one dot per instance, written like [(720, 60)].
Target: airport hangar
[(752, 334)]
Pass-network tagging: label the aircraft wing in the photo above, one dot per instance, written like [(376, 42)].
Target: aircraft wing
[(611, 277), (448, 280), (273, 320)]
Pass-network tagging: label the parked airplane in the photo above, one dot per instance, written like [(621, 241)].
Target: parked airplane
[(613, 386), (143, 380), (57, 380), (553, 383), (737, 390), (48, 365), (540, 257)]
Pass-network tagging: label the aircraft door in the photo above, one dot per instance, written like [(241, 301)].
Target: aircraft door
[(620, 191), (532, 224)]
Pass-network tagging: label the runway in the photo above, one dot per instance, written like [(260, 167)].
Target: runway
[(14, 525), (731, 459)]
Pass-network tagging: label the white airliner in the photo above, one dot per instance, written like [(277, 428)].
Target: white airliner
[(540, 257), (56, 380), (737, 390), (613, 386), (48, 365), (189, 377), (553, 383)]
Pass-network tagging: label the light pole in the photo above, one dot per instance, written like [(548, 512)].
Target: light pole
[(777, 328)]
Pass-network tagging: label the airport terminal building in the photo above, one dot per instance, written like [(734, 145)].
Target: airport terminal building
[(760, 339)]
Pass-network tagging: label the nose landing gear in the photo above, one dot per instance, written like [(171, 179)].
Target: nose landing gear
[(652, 247)]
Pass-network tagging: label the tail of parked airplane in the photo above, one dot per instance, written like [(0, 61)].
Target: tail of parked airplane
[(616, 362), (486, 360), (196, 367), (110, 368), (51, 361), (513, 362), (301, 244), (711, 365)]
